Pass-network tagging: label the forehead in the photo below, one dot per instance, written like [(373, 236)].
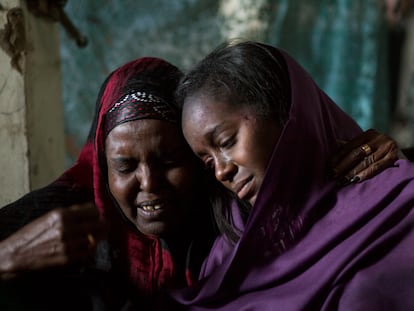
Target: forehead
[(140, 133), (202, 108)]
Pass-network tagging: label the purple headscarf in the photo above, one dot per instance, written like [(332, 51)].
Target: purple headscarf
[(309, 245)]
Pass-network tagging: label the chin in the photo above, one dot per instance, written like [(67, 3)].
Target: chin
[(155, 230), (253, 199)]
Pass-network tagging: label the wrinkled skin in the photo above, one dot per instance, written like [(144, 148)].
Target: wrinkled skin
[(166, 170), (152, 175), (351, 163), (56, 239)]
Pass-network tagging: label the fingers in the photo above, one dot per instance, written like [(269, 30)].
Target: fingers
[(53, 254), (371, 170), (78, 213), (80, 228), (80, 220), (350, 152), (364, 157), (60, 237), (65, 223), (349, 162), (375, 163)]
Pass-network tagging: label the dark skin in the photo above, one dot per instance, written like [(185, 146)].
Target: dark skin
[(152, 174), (351, 162), (57, 239), (234, 143), (60, 237), (141, 172)]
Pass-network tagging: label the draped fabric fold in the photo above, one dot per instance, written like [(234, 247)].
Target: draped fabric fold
[(309, 245)]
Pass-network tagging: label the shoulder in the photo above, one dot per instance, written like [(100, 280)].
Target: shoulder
[(385, 286)]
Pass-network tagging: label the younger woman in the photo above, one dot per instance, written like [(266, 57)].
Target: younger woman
[(261, 124)]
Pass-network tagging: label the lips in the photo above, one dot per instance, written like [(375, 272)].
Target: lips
[(151, 207), (152, 204), (151, 210), (244, 188)]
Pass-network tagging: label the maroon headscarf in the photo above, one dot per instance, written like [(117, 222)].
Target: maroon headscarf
[(140, 89), (307, 244), (145, 260)]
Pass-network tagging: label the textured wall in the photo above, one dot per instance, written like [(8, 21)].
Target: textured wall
[(342, 43), (31, 114), (118, 31), (14, 163)]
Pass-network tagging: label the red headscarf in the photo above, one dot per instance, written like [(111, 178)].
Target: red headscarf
[(132, 249), (140, 89)]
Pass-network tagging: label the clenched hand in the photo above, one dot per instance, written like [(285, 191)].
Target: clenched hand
[(61, 237)]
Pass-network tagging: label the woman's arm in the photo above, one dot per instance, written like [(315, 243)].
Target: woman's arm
[(37, 203), (61, 237)]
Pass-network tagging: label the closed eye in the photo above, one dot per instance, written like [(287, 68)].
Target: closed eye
[(227, 143), (124, 170), (123, 166), (208, 164)]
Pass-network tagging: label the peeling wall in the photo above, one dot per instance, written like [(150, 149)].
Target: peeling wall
[(31, 113), (44, 101), (14, 164)]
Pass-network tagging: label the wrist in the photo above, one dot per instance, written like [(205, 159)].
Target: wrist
[(6, 261)]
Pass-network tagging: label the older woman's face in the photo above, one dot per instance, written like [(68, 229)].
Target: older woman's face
[(151, 174), (235, 142)]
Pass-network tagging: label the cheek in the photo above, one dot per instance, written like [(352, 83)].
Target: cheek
[(263, 141), (121, 188), (263, 154), (182, 181), (255, 153)]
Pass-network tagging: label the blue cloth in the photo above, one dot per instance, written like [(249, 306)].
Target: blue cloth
[(341, 43)]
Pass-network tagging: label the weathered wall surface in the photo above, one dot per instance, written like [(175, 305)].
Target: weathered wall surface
[(14, 168), (31, 118)]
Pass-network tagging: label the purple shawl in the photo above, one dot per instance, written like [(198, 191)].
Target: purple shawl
[(309, 245)]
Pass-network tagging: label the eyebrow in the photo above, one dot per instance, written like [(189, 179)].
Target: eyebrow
[(214, 132), (210, 137), (120, 159)]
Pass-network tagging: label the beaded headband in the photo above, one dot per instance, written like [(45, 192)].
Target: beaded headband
[(139, 105)]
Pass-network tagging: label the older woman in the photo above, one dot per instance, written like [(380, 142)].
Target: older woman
[(151, 206), (261, 124)]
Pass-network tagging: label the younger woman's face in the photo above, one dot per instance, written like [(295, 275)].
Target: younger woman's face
[(152, 174), (233, 141)]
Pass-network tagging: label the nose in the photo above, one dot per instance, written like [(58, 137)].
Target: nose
[(148, 178), (224, 169)]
